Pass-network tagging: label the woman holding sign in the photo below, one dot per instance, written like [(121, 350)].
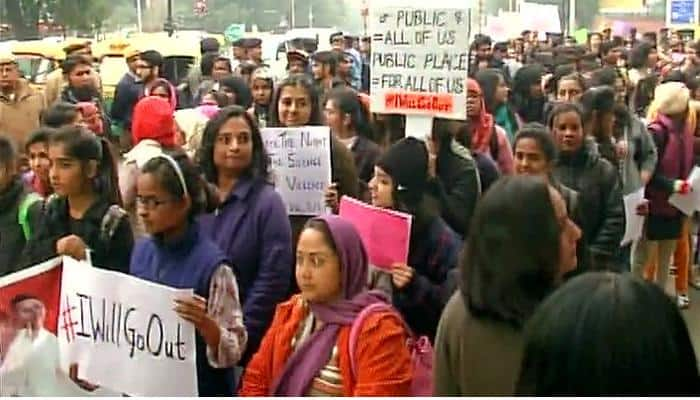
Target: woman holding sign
[(307, 350), (251, 224), (399, 183), (296, 104), (177, 254)]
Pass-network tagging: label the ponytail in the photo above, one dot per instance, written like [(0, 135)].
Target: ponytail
[(83, 145)]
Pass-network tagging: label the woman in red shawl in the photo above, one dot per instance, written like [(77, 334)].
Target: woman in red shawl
[(486, 136)]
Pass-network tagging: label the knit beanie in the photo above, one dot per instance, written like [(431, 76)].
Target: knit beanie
[(407, 163), (672, 98), (153, 119)]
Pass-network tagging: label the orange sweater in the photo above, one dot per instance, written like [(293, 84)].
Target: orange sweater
[(383, 361)]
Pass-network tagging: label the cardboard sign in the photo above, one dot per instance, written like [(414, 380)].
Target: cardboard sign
[(419, 59), (301, 165), (123, 333), (386, 234)]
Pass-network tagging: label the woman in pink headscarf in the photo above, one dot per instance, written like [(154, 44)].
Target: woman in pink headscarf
[(163, 89)]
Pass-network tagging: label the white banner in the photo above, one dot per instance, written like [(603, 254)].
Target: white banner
[(123, 333), (419, 58), (301, 166)]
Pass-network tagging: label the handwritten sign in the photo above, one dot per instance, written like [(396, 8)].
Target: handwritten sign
[(301, 165), (419, 59), (123, 333), (385, 233)]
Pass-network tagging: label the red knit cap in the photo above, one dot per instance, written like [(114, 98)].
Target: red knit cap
[(153, 119)]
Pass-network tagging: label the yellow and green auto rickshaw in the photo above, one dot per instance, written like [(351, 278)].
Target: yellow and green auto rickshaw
[(37, 59)]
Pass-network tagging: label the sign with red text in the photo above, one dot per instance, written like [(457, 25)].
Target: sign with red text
[(386, 234), (419, 59), (122, 332)]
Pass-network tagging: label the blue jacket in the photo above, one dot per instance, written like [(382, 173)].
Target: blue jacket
[(434, 252), (189, 263), (253, 230), (126, 95)]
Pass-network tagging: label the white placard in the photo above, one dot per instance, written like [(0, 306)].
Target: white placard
[(123, 333), (301, 166), (634, 223), (688, 203), (419, 59)]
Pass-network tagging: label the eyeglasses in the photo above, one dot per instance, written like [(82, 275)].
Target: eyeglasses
[(150, 203)]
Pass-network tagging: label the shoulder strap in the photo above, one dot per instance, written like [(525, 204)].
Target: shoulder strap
[(357, 327), (493, 143), (110, 222), (22, 215)]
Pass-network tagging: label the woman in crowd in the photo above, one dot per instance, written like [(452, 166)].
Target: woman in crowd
[(152, 131), (20, 209), (573, 345), (635, 148), (170, 195), (349, 124), (237, 91), (643, 60), (306, 351), (36, 148), (453, 176), (499, 291), (598, 106), (164, 89), (527, 97), (250, 225), (486, 136), (296, 104), (595, 39), (262, 86), (536, 155), (570, 88), (400, 183), (581, 168), (85, 219), (672, 130), (495, 89)]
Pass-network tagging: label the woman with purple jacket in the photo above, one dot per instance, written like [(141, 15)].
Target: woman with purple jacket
[(251, 225)]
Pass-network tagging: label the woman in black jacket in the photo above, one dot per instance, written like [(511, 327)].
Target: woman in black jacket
[(84, 219), (580, 167), (453, 177)]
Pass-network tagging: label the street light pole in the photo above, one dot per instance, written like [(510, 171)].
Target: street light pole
[(572, 17), (169, 23), (292, 17), (139, 15)]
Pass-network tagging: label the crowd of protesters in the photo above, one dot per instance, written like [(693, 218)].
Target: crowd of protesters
[(515, 273)]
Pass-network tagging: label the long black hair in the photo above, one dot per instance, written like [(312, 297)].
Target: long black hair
[(348, 103), (507, 285), (300, 81), (530, 109), (259, 164), (488, 80), (240, 89), (579, 342), (84, 146)]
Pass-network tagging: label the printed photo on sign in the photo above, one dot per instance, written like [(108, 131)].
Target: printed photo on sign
[(300, 161), (29, 350)]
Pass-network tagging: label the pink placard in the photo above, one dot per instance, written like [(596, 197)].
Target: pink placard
[(385, 233)]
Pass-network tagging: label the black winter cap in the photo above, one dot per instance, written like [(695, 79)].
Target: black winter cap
[(406, 162)]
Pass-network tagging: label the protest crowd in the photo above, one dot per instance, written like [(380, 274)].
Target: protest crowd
[(520, 276)]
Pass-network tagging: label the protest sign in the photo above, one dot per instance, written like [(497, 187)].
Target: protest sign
[(385, 233), (301, 166), (419, 61), (123, 333)]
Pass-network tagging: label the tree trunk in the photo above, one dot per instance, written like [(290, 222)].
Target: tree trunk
[(23, 28)]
